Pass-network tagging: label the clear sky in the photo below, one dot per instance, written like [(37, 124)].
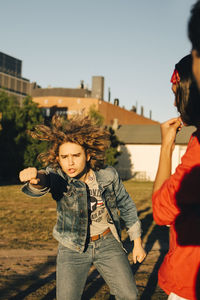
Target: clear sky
[(134, 44)]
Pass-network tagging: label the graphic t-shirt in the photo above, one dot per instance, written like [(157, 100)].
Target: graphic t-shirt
[(99, 217)]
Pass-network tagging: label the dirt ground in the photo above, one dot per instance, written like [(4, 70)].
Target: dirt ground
[(30, 274), (27, 263)]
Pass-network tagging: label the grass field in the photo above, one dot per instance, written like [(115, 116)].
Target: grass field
[(28, 250), (26, 222)]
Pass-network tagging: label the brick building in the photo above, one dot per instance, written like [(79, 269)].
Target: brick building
[(11, 80), (65, 101)]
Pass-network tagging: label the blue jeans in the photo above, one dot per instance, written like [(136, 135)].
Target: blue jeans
[(109, 259)]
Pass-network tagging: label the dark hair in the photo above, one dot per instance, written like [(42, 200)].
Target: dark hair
[(194, 27), (187, 94)]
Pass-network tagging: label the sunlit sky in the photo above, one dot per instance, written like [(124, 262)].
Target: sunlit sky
[(134, 44)]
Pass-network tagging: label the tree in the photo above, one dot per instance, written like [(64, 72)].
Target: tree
[(9, 108), (29, 116), (112, 152), (17, 148), (96, 116)]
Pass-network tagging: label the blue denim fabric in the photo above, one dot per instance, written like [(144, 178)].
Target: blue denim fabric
[(110, 260), (72, 207)]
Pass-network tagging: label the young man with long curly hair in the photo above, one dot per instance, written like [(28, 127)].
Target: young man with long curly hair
[(89, 198)]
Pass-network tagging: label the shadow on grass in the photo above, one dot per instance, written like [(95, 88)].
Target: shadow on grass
[(33, 277), (37, 283), (160, 234)]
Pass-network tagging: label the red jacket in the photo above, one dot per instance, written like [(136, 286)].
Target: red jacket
[(177, 203)]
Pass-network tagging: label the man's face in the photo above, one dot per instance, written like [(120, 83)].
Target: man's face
[(196, 67), (72, 159)]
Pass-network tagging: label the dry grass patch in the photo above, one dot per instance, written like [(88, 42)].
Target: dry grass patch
[(26, 222)]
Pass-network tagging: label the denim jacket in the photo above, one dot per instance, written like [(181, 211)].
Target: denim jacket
[(72, 205)]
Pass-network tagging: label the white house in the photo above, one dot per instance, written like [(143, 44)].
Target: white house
[(141, 150)]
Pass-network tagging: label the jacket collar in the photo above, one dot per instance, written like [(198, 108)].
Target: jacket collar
[(65, 176), (102, 180)]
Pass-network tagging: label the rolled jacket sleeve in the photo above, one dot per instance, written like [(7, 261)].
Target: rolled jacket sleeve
[(34, 192), (135, 230)]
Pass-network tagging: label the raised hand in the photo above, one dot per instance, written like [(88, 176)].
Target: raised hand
[(29, 174), (169, 130)]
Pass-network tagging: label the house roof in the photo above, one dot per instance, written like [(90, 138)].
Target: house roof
[(150, 134), (61, 92)]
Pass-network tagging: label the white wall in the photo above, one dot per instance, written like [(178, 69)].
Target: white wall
[(141, 161)]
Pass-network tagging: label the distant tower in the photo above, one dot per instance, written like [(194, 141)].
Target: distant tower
[(109, 94), (98, 87), (82, 84), (142, 111)]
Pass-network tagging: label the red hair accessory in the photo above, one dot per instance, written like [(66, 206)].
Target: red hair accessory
[(175, 77)]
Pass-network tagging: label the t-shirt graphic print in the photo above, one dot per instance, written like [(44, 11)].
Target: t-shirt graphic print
[(99, 216)]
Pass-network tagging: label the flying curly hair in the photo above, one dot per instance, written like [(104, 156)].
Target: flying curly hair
[(80, 130)]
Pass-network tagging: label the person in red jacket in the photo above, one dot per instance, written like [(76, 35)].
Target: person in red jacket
[(176, 197)]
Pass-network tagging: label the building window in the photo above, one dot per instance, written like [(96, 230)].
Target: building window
[(5, 81), (12, 84), (19, 86), (24, 88), (46, 112), (61, 112)]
